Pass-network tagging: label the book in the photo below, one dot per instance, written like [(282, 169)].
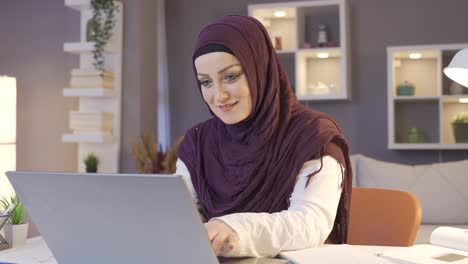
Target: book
[(90, 72), (91, 78), (447, 245), (333, 254)]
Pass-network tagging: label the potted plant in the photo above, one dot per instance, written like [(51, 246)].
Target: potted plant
[(16, 230), (100, 28), (460, 127), (91, 162)]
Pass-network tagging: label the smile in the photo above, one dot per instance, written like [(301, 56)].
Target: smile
[(227, 107)]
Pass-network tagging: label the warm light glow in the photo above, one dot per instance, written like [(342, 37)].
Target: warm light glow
[(415, 55), (463, 100), (322, 55), (7, 132), (280, 14)]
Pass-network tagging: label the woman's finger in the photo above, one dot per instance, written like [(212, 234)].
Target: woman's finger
[(218, 241)]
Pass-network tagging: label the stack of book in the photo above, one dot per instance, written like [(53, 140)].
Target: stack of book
[(91, 122), (91, 78)]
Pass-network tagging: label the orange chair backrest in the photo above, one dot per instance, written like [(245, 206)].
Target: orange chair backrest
[(383, 217)]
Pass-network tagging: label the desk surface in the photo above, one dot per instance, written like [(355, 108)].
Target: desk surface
[(36, 251)]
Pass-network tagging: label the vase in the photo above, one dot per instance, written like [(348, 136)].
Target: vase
[(91, 170), (460, 132), (16, 234)]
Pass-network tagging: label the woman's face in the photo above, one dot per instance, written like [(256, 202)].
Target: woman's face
[(224, 86)]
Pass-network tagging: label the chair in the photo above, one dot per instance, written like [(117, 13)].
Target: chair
[(383, 217)]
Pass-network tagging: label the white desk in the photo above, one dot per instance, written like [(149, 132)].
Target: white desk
[(36, 252)]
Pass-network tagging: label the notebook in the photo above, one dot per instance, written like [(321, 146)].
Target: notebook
[(448, 245)]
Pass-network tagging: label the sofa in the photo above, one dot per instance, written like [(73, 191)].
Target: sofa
[(440, 188)]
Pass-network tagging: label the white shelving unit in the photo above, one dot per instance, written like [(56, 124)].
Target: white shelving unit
[(316, 73), (97, 100), (432, 106)]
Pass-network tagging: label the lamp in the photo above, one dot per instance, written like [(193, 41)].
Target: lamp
[(457, 70), (7, 132)]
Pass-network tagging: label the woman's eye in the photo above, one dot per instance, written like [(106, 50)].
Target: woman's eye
[(205, 83), (231, 77)]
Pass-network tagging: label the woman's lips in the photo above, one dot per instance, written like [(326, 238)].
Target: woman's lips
[(227, 107)]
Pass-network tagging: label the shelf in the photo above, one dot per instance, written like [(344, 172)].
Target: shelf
[(88, 92), (88, 138), (428, 113), (78, 4), (415, 98), (422, 146), (83, 47), (454, 98), (315, 73), (313, 53), (319, 97), (286, 51)]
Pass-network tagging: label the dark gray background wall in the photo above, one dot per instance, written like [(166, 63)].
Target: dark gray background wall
[(375, 24)]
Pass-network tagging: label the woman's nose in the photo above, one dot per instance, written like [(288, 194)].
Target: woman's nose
[(221, 94)]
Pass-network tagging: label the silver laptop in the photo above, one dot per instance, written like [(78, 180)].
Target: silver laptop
[(117, 218)]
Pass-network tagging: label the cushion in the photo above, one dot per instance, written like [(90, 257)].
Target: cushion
[(439, 187)]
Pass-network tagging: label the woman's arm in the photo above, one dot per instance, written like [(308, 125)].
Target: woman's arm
[(181, 169), (307, 222)]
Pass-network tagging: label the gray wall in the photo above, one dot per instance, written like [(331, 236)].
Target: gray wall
[(32, 34), (375, 24)]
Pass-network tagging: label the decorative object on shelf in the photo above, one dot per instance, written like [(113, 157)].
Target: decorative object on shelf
[(102, 24), (460, 127), (91, 162), (405, 89), (457, 70), (85, 122), (16, 229), (331, 44), (415, 135), (91, 78), (322, 38), (7, 131), (320, 88), (456, 88), (278, 42), (307, 45)]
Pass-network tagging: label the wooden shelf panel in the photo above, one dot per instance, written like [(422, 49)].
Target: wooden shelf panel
[(83, 47), (88, 138), (88, 92), (79, 5), (427, 146)]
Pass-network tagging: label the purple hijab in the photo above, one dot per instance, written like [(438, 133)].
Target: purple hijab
[(252, 166)]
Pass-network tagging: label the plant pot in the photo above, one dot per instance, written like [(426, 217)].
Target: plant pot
[(91, 170), (16, 234), (460, 131)]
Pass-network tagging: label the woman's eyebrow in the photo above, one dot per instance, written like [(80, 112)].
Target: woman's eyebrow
[(222, 70), (225, 69)]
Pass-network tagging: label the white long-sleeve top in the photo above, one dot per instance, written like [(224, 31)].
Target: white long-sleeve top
[(306, 223)]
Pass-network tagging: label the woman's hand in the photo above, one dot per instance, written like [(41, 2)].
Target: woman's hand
[(222, 237)]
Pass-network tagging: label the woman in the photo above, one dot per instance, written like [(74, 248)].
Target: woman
[(267, 173)]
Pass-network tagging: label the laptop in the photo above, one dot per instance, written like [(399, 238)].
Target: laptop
[(117, 218)]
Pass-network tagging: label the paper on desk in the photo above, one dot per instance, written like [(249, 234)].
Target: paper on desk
[(333, 254)]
